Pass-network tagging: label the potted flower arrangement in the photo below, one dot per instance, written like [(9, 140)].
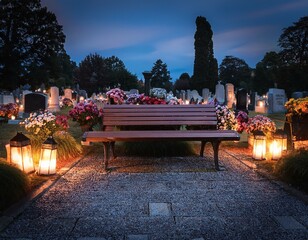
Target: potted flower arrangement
[(225, 118), (43, 124), (297, 116), (8, 110), (261, 123), (86, 114), (116, 96)]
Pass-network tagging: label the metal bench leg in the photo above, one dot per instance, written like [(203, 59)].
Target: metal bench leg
[(215, 145), (112, 145), (202, 148), (106, 154)]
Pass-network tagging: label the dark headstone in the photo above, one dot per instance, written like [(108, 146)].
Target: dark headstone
[(147, 82), (35, 102), (241, 100), (251, 105)]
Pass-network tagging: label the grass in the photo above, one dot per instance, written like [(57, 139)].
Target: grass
[(14, 184), (294, 169)]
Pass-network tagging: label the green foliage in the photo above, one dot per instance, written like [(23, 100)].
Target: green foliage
[(205, 65), (182, 83), (294, 43), (160, 76), (157, 149), (30, 36), (95, 71), (294, 169), (236, 71), (267, 74), (67, 147), (14, 184)]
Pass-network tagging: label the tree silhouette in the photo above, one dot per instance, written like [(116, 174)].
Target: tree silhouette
[(29, 37), (205, 65), (160, 76)]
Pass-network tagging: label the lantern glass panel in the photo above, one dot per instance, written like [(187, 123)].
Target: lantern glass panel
[(259, 147), (48, 161)]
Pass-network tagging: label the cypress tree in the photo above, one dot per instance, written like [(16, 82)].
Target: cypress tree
[(205, 65)]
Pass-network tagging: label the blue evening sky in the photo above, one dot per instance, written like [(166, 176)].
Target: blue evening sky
[(141, 31)]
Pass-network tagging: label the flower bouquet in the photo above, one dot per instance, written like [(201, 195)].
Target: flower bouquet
[(9, 110), (297, 107), (134, 98), (86, 113), (225, 118), (158, 93), (43, 124), (116, 96), (242, 121), (152, 100), (261, 123)]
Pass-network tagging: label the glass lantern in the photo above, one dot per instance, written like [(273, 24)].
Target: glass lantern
[(21, 153), (48, 158)]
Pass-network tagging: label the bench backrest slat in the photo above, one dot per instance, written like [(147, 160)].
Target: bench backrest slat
[(158, 115)]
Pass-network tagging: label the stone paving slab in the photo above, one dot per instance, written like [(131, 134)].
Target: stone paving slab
[(179, 202)]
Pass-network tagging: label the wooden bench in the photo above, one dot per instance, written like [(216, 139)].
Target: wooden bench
[(160, 123)]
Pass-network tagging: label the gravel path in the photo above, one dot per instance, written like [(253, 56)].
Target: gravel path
[(167, 198)]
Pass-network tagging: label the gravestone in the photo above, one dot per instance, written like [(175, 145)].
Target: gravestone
[(74, 95), (252, 103), (133, 91), (297, 95), (220, 93), (276, 100), (34, 102), (68, 93), (241, 100), (54, 99), (83, 93), (188, 95), (8, 99), (230, 97), (195, 95), (206, 94)]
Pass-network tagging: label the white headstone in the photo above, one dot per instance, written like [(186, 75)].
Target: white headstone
[(133, 91), (54, 99), (195, 95), (8, 99), (276, 100), (220, 93), (68, 93), (230, 96), (205, 94)]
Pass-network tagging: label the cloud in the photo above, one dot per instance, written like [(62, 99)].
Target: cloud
[(281, 8), (100, 38), (246, 43)]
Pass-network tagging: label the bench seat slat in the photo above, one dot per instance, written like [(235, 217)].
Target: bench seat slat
[(196, 135), (154, 114)]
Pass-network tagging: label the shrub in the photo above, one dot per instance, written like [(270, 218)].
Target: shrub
[(294, 169), (14, 184), (67, 146)]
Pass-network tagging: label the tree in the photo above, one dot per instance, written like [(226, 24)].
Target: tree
[(294, 43), (236, 71), (182, 83), (294, 57), (267, 74), (161, 76), (90, 72), (96, 73), (29, 36), (205, 65)]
